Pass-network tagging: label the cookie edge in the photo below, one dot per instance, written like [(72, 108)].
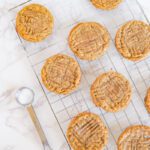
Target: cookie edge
[(147, 101), (106, 8)]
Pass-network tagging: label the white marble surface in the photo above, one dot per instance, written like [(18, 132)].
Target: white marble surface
[(16, 129)]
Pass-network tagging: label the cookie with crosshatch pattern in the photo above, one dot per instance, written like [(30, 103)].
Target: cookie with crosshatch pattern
[(106, 4), (111, 91), (133, 40), (147, 101), (135, 138), (61, 74), (89, 40), (87, 132), (34, 23)]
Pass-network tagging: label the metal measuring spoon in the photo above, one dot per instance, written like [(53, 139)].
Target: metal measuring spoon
[(25, 97)]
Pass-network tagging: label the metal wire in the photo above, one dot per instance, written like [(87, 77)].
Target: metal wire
[(80, 100)]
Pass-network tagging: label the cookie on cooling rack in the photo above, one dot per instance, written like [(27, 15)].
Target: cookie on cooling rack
[(34, 23), (87, 132), (133, 40), (111, 91), (147, 101), (89, 40), (135, 138), (61, 74), (106, 4)]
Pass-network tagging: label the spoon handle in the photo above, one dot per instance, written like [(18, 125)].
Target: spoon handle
[(38, 127)]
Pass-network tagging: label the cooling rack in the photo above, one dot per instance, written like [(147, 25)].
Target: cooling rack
[(68, 13)]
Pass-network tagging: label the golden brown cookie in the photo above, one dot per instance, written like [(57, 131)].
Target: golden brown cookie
[(61, 74), (111, 91), (87, 132), (147, 101), (88, 40), (135, 138), (106, 4), (133, 40), (34, 23)]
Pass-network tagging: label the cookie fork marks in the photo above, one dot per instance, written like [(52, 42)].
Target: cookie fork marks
[(133, 40), (135, 138), (87, 132), (34, 23), (89, 40), (61, 74), (111, 91)]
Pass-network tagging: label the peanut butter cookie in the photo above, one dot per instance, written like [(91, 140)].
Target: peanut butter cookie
[(89, 40), (135, 138), (111, 91), (61, 74), (133, 40), (34, 23), (147, 101), (87, 132), (106, 4)]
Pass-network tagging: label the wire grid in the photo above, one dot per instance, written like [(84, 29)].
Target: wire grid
[(65, 107)]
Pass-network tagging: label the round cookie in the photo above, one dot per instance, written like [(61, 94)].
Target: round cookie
[(147, 101), (135, 138), (61, 74), (88, 40), (133, 40), (34, 23), (106, 4), (87, 132), (111, 91)]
